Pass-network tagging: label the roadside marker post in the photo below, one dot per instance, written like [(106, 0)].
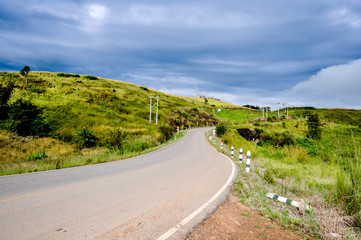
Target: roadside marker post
[(221, 146), (248, 162), (232, 151), (288, 201), (240, 155)]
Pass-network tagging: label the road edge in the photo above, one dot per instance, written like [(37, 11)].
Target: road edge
[(185, 227)]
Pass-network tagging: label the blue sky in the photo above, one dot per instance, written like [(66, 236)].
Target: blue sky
[(302, 52)]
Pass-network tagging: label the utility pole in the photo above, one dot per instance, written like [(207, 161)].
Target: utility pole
[(150, 109), (266, 112), (156, 118)]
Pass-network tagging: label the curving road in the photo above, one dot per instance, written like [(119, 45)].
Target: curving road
[(153, 196)]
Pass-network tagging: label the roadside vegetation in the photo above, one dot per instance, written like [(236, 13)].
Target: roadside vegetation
[(312, 156), (57, 120)]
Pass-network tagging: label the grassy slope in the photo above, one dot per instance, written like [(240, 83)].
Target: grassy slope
[(325, 173), (70, 103)]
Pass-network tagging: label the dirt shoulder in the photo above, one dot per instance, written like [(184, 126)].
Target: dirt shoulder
[(236, 221)]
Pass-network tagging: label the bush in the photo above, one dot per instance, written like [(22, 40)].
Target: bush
[(115, 139), (86, 137), (313, 124), (68, 75), (136, 147), (221, 129), (25, 119), (5, 93), (144, 88), (166, 132), (36, 90), (90, 77)]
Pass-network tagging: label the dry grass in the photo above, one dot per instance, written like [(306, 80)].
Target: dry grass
[(18, 149)]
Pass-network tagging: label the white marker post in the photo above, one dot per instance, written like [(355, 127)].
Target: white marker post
[(286, 200), (248, 162), (214, 132), (240, 155), (232, 151), (221, 146)]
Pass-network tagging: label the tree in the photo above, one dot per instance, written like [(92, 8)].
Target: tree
[(5, 93), (24, 72), (25, 119), (313, 124), (221, 129)]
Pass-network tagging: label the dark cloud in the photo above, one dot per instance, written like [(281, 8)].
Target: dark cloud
[(263, 49)]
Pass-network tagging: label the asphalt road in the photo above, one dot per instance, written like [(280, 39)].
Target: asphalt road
[(137, 198)]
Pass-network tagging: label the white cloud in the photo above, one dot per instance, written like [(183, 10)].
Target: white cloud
[(335, 86), (97, 11)]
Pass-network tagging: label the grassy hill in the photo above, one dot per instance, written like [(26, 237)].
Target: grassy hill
[(74, 107), (323, 170)]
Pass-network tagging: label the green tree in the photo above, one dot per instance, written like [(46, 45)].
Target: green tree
[(221, 129), (25, 119), (5, 93), (314, 126), (24, 72)]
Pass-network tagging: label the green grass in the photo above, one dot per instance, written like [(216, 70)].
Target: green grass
[(72, 102), (326, 173)]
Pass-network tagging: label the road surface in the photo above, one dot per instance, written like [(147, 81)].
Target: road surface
[(138, 198)]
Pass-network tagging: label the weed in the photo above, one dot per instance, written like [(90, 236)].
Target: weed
[(36, 156), (86, 137)]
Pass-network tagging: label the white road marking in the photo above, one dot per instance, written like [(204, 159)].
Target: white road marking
[(186, 220)]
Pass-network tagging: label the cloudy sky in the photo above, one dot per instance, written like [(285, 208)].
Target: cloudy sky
[(259, 52)]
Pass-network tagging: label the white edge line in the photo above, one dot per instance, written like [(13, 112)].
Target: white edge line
[(174, 229)]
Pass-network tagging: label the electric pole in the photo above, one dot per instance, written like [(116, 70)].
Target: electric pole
[(150, 109), (156, 118), (266, 112)]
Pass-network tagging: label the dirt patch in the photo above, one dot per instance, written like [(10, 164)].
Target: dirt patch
[(236, 221)]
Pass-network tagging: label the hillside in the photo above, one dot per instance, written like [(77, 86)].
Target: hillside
[(86, 117), (313, 155)]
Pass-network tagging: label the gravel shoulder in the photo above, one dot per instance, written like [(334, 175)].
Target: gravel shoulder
[(236, 221)]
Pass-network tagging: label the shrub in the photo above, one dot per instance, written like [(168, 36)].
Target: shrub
[(36, 90), (5, 93), (68, 75), (25, 119), (221, 129), (144, 88), (313, 124), (115, 139), (166, 132), (136, 146), (90, 77), (86, 137)]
